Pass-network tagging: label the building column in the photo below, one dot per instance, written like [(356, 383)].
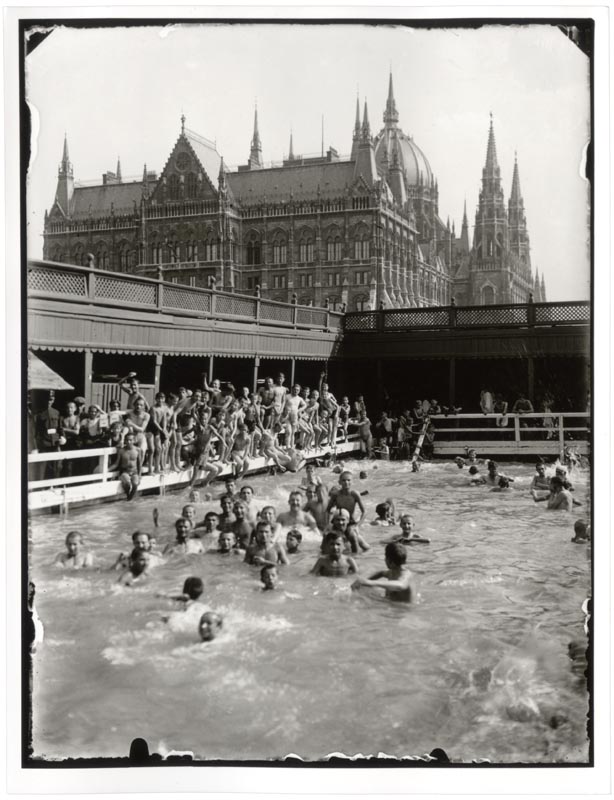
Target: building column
[(292, 371), (255, 374), (210, 378), (87, 381), (452, 382), (530, 378), (157, 371)]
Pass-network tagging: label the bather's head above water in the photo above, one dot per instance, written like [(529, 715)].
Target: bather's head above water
[(209, 625)]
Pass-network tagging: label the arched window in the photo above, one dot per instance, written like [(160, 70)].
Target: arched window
[(174, 252), (488, 295), (334, 303), (305, 248), (280, 250), (333, 249), (210, 248), (362, 248), (191, 185), (361, 303), (102, 256), (125, 257), (79, 256), (173, 187), (192, 251), (156, 253), (254, 250)]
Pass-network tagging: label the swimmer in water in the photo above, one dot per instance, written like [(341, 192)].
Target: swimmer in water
[(582, 532), (227, 543), (74, 557), (183, 543), (540, 481), (247, 496), (333, 563), (209, 625), (347, 498), (407, 535), (293, 540), (341, 523), (141, 540), (226, 518), (138, 569), (210, 524), (296, 517), (476, 478), (268, 514), (558, 498), (268, 577), (265, 551), (502, 484), (189, 512), (396, 580), (241, 527), (192, 590)]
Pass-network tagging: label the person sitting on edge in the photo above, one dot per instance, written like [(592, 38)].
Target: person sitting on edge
[(265, 550), (227, 543), (407, 535), (540, 481), (385, 514), (476, 478), (209, 625), (293, 540), (241, 527), (296, 517), (141, 540), (183, 543), (138, 568), (333, 563), (582, 531), (396, 580), (226, 518), (74, 557), (347, 498), (192, 590), (558, 498), (268, 577), (129, 463)]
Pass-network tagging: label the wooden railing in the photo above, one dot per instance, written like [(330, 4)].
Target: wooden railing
[(526, 315), (75, 283)]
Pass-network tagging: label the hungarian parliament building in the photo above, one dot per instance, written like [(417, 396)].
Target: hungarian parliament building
[(358, 232)]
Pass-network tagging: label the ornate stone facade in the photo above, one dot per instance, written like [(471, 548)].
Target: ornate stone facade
[(359, 232)]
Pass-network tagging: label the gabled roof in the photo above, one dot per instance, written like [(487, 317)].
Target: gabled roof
[(301, 181), (206, 153), (98, 199)]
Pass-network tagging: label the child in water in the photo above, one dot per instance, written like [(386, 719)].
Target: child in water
[(209, 625), (385, 514), (293, 540), (265, 550), (396, 580), (74, 557), (137, 569), (582, 532), (407, 535), (192, 590), (268, 577), (332, 563)]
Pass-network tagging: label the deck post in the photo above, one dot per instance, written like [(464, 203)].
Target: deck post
[(561, 438), (516, 429), (210, 378), (105, 467), (157, 370), (255, 374), (87, 378), (292, 371)]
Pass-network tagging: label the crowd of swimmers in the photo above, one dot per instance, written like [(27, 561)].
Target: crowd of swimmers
[(268, 540)]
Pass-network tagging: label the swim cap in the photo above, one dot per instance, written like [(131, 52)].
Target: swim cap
[(342, 512)]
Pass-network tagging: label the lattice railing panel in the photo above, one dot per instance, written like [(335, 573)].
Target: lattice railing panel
[(360, 322), (311, 316), (235, 306), (562, 313), (42, 280), (416, 318), (275, 312), (126, 291), (487, 315), (186, 299)]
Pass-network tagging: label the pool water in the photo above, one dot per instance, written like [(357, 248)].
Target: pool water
[(477, 666)]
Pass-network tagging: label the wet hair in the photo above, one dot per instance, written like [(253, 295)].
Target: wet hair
[(262, 523), (381, 509), (345, 472), (556, 482), (580, 529), (492, 464), (396, 553), (265, 569), (295, 534), (331, 537), (211, 514), (140, 533), (188, 505), (247, 486), (266, 508), (73, 535), (193, 587), (473, 470), (504, 483), (181, 520), (212, 617)]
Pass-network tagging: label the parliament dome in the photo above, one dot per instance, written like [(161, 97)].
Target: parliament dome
[(412, 160)]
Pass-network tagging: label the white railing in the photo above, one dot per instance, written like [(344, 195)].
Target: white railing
[(74, 455)]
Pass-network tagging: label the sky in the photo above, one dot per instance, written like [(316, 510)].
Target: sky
[(122, 91)]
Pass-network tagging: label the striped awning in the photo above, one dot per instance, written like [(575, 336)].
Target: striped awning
[(40, 376)]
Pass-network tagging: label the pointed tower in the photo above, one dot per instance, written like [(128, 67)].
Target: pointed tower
[(365, 154), (291, 151), (255, 156), (356, 135), (66, 184), (118, 171), (145, 184), (490, 240), (396, 179), (391, 115), (463, 246), (537, 289), (519, 237), (543, 291)]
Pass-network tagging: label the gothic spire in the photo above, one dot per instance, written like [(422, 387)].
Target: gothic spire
[(465, 221), (357, 123), (291, 152), (255, 156), (65, 156), (543, 291), (491, 151), (366, 128), (118, 171), (391, 116), (516, 196)]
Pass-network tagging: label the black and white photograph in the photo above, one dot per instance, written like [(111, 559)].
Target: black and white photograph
[(308, 448)]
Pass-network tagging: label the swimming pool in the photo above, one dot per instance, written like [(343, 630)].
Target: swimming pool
[(478, 666)]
